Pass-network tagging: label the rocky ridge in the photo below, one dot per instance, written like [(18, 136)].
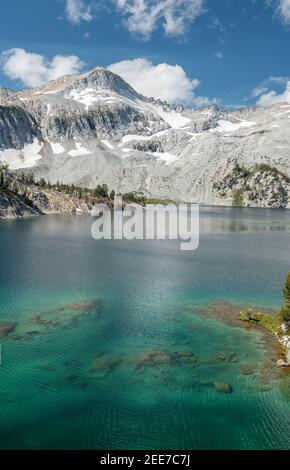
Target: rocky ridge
[(94, 128)]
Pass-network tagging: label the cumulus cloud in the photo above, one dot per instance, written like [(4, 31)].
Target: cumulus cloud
[(34, 69), (141, 17), (268, 96), (163, 81), (284, 10), (78, 10), (272, 97)]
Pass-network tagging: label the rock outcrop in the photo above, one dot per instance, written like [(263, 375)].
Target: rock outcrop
[(19, 199), (257, 186)]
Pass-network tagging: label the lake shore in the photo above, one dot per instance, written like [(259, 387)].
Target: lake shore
[(230, 314)]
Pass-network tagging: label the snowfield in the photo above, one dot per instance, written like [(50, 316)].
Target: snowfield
[(174, 119), (107, 144), (79, 151), (227, 126), (57, 148), (24, 158)]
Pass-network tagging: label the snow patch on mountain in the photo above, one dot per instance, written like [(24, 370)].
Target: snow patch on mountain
[(173, 118), (227, 126), (107, 144), (57, 148), (24, 158), (89, 96), (79, 151), (168, 158)]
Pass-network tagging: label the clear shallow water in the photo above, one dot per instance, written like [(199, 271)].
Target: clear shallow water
[(87, 380)]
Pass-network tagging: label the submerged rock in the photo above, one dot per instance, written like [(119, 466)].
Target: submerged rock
[(104, 364), (153, 358), (248, 369), (224, 357), (223, 387), (184, 354), (186, 357), (6, 328), (26, 335), (76, 381), (39, 320), (81, 305), (219, 387), (60, 317), (206, 383)]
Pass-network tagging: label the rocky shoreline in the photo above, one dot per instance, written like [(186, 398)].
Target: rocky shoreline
[(14, 206), (231, 315)]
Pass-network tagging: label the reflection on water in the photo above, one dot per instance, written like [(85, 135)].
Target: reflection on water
[(218, 220)]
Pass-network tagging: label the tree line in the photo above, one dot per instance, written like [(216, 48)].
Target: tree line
[(20, 182)]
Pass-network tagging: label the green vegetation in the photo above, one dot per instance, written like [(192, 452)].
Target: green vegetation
[(238, 198), (271, 322), (268, 321), (271, 170), (156, 201), (246, 173), (3, 174), (241, 171), (101, 191), (246, 183), (25, 184), (134, 197), (284, 312)]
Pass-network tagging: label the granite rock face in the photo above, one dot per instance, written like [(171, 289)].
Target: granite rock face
[(94, 128), (39, 202)]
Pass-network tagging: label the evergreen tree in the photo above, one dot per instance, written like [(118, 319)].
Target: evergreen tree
[(15, 187), (30, 178), (42, 183), (287, 290), (101, 191), (285, 310)]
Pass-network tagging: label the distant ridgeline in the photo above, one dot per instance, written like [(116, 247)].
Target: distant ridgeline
[(94, 128)]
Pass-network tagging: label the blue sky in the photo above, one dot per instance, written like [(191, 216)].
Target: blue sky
[(235, 51)]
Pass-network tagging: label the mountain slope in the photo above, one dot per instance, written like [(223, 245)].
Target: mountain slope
[(94, 128)]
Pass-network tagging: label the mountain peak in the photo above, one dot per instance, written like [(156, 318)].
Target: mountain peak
[(99, 78)]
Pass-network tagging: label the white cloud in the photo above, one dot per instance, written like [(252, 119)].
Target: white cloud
[(284, 10), (258, 91), (219, 55), (278, 80), (272, 97), (141, 17), (78, 10), (163, 81), (34, 69), (266, 96)]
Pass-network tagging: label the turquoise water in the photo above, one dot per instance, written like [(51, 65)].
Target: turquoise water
[(97, 360)]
